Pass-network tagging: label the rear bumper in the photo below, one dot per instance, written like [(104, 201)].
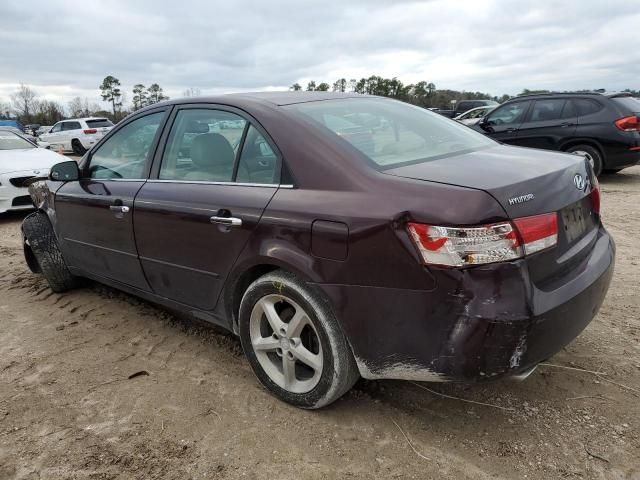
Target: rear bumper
[(479, 323)]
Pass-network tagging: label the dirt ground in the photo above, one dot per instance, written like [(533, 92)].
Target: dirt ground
[(69, 409)]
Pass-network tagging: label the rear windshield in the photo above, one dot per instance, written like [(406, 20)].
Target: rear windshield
[(391, 133), (630, 103), (101, 122)]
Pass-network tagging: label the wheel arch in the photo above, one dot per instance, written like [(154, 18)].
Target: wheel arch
[(245, 274), (585, 141)]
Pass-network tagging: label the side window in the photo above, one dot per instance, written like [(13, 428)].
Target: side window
[(71, 126), (202, 146), (510, 114), (258, 162), (125, 153), (586, 106), (569, 110), (57, 127), (547, 110)]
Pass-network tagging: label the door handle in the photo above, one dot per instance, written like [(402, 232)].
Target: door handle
[(511, 130), (228, 221), (119, 208), (566, 124)]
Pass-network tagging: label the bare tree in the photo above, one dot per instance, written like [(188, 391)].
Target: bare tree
[(24, 102), (5, 111), (79, 107), (139, 96)]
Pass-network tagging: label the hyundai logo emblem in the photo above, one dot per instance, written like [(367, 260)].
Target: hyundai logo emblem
[(578, 181)]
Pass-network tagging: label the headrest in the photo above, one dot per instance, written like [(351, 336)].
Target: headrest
[(211, 149)]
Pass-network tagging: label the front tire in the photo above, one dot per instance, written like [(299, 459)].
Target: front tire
[(77, 147), (41, 241), (293, 342), (592, 154)]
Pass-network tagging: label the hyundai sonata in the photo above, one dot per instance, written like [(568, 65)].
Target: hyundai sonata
[(338, 235)]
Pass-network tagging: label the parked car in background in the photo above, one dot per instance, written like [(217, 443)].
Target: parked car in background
[(422, 251), (77, 135), (43, 129), (19, 132), (20, 162), (465, 105), (474, 115), (604, 128)]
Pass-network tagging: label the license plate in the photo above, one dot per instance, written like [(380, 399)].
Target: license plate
[(575, 220)]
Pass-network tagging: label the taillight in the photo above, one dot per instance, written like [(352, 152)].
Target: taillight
[(498, 242), (90, 131), (628, 124), (538, 232)]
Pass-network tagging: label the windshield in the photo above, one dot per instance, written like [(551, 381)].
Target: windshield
[(10, 141), (390, 133)]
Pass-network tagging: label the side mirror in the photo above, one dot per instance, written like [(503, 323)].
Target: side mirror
[(64, 171)]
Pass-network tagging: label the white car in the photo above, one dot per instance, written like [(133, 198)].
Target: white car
[(473, 116), (77, 135), (20, 162)]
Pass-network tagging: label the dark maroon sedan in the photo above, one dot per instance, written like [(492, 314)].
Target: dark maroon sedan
[(338, 235)]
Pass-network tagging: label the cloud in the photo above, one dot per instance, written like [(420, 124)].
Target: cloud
[(64, 49)]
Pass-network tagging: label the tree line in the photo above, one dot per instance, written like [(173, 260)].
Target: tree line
[(28, 107), (423, 93)]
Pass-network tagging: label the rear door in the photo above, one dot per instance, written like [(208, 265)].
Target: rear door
[(95, 224), (216, 175), (504, 122), (548, 123)]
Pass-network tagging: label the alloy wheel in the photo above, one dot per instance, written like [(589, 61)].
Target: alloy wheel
[(286, 343)]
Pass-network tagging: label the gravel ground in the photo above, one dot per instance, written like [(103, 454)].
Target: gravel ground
[(71, 405)]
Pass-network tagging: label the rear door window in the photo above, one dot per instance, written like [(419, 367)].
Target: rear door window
[(547, 110), (202, 146), (258, 162), (71, 126)]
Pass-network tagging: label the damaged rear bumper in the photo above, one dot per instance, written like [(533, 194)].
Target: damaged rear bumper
[(479, 323)]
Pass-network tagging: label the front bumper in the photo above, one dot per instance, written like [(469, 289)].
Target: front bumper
[(14, 197), (479, 323)]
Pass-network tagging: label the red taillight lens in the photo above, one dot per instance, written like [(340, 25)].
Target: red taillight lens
[(498, 242), (538, 232), (90, 131), (628, 124)]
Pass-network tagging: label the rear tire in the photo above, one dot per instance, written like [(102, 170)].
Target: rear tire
[(40, 239), (77, 147), (592, 154), (293, 342)]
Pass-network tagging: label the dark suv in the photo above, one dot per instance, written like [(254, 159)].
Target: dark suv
[(604, 128)]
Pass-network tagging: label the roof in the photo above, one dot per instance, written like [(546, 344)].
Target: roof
[(265, 98), (604, 94)]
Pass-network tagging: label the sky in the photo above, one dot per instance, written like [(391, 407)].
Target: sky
[(64, 49)]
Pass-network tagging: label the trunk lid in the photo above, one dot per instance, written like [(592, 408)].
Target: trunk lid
[(528, 182), (524, 181)]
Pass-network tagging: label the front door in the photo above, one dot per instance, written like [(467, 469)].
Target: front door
[(217, 175), (503, 123), (549, 121), (95, 225)]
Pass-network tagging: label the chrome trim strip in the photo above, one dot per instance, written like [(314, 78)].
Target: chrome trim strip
[(199, 182)]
